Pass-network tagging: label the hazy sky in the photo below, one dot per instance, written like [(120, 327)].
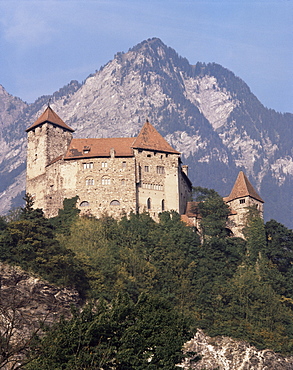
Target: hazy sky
[(45, 44)]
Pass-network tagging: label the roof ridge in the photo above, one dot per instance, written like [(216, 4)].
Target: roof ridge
[(149, 138)]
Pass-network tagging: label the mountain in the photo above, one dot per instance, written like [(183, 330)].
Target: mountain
[(203, 110)]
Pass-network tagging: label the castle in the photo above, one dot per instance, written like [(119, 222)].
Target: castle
[(113, 176), (117, 176)]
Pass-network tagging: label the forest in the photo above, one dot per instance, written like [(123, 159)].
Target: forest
[(148, 286)]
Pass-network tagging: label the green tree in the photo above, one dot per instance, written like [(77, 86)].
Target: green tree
[(30, 242), (66, 216), (124, 335), (214, 212), (254, 232)]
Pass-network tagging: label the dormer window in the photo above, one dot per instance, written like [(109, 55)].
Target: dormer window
[(86, 149)]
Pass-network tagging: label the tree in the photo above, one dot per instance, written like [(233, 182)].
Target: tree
[(214, 212), (66, 216), (255, 236), (30, 243), (124, 335)]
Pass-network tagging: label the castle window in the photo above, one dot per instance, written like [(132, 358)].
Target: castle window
[(106, 180), (160, 170), (84, 204), (115, 203), (123, 182), (149, 155), (104, 164), (123, 164), (163, 205), (149, 203), (88, 165), (241, 201), (146, 169), (89, 181)]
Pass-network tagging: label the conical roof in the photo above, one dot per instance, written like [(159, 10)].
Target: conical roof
[(243, 188), (150, 139), (50, 116)]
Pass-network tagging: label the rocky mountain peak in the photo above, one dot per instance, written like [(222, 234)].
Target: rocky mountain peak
[(203, 110)]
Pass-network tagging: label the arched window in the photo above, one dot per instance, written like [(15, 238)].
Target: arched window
[(115, 203), (106, 180), (89, 181), (163, 205), (149, 205), (84, 204)]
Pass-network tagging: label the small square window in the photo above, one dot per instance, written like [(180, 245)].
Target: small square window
[(241, 201)]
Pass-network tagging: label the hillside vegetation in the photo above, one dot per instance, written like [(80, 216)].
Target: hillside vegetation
[(150, 285)]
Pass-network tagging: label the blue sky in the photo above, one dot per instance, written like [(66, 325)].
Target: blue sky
[(45, 44)]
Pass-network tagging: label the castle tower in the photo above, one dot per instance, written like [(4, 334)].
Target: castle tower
[(48, 139), (162, 183), (242, 196)]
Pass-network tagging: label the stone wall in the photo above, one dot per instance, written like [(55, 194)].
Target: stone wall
[(237, 221)]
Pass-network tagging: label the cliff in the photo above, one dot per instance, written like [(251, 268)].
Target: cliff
[(27, 304)]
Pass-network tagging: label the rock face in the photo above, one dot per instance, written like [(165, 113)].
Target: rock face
[(26, 303), (224, 353), (203, 110)]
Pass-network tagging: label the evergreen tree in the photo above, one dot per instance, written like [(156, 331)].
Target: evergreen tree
[(30, 243), (214, 212), (124, 335), (66, 216)]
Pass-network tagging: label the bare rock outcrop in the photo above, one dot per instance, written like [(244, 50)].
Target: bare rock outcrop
[(27, 303), (224, 353)]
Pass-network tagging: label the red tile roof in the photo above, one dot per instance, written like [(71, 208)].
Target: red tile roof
[(89, 148), (242, 188), (50, 116), (149, 138)]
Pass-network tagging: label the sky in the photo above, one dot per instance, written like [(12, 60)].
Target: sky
[(45, 44)]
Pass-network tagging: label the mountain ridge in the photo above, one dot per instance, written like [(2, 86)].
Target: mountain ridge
[(203, 110)]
